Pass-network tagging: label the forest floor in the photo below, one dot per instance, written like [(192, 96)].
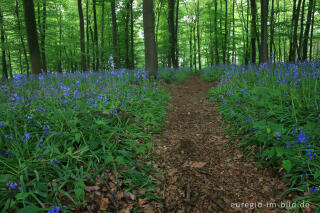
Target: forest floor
[(206, 172)]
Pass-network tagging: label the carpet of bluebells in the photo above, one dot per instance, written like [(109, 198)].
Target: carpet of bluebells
[(59, 129), (276, 110)]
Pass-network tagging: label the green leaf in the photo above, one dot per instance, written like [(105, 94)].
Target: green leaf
[(120, 160), (78, 137), (287, 165), (280, 151), (79, 193), (22, 196), (316, 174), (29, 209), (268, 130)]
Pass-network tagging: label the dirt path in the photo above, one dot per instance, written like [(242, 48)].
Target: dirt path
[(206, 172)]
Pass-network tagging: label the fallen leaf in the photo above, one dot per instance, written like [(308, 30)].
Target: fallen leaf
[(197, 164), (91, 188), (104, 202)]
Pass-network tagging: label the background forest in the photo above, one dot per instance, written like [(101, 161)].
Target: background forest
[(188, 33)]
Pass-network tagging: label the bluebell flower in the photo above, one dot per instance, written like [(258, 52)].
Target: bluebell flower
[(12, 185), (9, 136), (314, 189), (278, 134), (55, 209), (1, 124), (45, 128), (318, 118), (302, 138), (26, 137)]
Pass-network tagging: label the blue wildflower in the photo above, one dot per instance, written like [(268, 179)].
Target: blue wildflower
[(1, 124), (302, 138), (9, 136), (12, 185), (314, 189), (278, 134), (55, 209), (26, 137)]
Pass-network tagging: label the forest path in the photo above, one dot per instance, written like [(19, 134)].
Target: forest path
[(205, 171)]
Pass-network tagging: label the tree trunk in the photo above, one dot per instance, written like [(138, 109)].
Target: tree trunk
[(102, 35), (176, 37), (190, 47), (132, 36), (21, 37), (225, 33), (151, 58), (158, 19), (216, 31), (114, 33), (82, 44), (4, 61), (194, 47), (172, 56), (32, 36), (253, 30), (272, 56), (233, 34), (43, 35), (60, 42), (198, 34), (126, 35), (294, 42), (264, 31), (301, 32), (306, 32), (96, 34), (312, 25), (88, 37)]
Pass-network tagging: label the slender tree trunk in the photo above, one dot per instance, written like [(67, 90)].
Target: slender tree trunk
[(198, 34), (294, 40), (306, 32), (253, 30), (151, 58), (93, 48), (132, 36), (301, 32), (190, 47), (247, 52), (88, 37), (233, 34), (172, 56), (225, 33), (312, 25), (194, 47), (9, 57), (216, 31), (264, 31), (43, 35), (176, 36), (32, 36), (21, 37), (114, 33), (102, 35), (95, 24), (158, 19), (82, 44), (60, 42), (210, 33), (272, 30), (126, 36), (4, 61)]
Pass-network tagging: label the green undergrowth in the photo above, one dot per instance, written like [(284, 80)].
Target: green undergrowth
[(169, 75), (58, 132), (274, 109)]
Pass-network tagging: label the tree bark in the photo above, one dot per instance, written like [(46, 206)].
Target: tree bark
[(114, 33), (190, 46), (132, 36), (32, 36), (301, 32), (306, 32), (253, 30), (126, 35), (176, 65), (88, 35), (43, 36), (272, 56), (172, 55), (225, 33), (102, 35), (294, 42), (312, 25), (82, 44), (4, 61), (264, 31), (216, 31), (151, 58), (198, 34), (21, 37), (96, 34)]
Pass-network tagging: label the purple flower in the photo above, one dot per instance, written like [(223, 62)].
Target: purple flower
[(278, 134), (26, 137), (12, 185), (45, 128), (9, 136), (314, 189), (2, 124), (55, 209), (302, 138)]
